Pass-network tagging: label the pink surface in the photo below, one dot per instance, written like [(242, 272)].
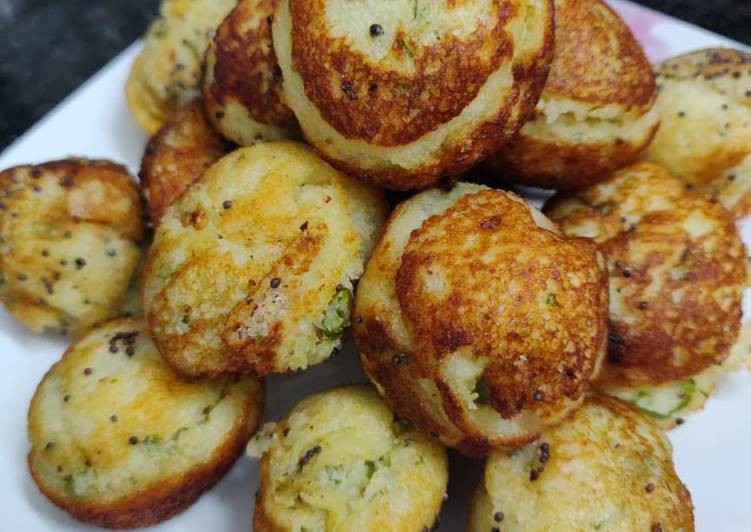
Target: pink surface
[(642, 20)]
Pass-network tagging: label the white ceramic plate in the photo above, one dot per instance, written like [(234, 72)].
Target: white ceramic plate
[(710, 449)]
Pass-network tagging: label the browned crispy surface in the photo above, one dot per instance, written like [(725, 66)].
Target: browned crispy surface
[(371, 102), (455, 160), (677, 271), (245, 67), (486, 294), (65, 227), (539, 296), (597, 59), (116, 356), (396, 381), (73, 176), (418, 88), (562, 165), (176, 157), (246, 263), (164, 499), (607, 456), (598, 63)]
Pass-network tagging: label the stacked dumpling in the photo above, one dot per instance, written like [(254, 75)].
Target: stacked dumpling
[(242, 82), (340, 461), (70, 234), (478, 320), (607, 468), (597, 112), (677, 270), (166, 74), (183, 149), (253, 268), (404, 93), (484, 324)]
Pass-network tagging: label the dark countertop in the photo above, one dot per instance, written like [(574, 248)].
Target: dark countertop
[(49, 47)]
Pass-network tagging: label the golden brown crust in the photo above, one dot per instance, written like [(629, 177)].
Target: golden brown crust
[(246, 264), (262, 522), (245, 69), (482, 141), (74, 174), (153, 501), (595, 113), (417, 85), (607, 468), (167, 498), (564, 166), (506, 317), (65, 227), (364, 105), (500, 328), (677, 271), (597, 58), (176, 157)]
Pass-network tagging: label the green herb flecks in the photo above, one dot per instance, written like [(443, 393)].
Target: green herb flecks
[(192, 47), (370, 469), (206, 412), (77, 483), (407, 50), (665, 402), (160, 28), (178, 433), (336, 318), (151, 440), (482, 392), (335, 474)]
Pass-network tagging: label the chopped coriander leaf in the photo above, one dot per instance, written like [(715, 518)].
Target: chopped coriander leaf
[(336, 318), (666, 401), (482, 392)]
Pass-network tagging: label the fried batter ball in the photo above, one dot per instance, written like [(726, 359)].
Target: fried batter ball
[(478, 321), (597, 112), (242, 81), (341, 462), (252, 269), (608, 468), (69, 242), (705, 137), (403, 93), (176, 157), (118, 441), (166, 73), (677, 272)]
